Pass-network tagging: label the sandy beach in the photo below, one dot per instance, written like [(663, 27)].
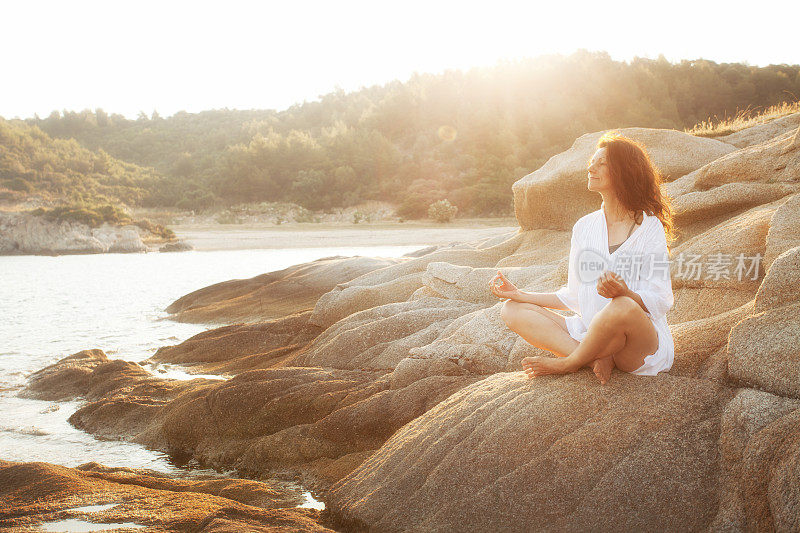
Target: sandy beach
[(246, 237)]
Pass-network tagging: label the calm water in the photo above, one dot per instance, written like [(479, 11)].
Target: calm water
[(51, 307)]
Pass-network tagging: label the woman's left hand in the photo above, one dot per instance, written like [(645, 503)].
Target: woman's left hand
[(610, 285)]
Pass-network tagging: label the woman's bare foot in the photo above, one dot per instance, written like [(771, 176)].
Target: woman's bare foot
[(602, 368), (540, 366)]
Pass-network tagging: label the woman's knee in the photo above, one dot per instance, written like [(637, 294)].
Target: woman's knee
[(510, 311), (619, 310)]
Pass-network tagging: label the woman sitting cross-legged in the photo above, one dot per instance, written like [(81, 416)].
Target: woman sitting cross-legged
[(620, 292)]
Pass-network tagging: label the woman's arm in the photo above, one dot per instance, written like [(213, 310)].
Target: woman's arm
[(564, 299), (543, 299), (655, 296)]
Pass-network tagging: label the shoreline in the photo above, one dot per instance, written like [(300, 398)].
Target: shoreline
[(219, 237)]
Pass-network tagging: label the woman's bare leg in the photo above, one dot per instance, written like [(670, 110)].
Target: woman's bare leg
[(621, 330), (539, 326), (547, 330)]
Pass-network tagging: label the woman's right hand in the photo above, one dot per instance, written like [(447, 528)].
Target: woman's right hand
[(504, 290)]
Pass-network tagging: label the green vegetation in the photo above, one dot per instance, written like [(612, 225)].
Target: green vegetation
[(464, 136), (91, 216), (94, 216), (63, 170), (743, 119), (442, 211)]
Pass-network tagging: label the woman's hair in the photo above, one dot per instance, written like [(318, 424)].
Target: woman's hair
[(636, 179)]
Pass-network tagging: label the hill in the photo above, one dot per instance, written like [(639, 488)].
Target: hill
[(464, 136), (58, 171)]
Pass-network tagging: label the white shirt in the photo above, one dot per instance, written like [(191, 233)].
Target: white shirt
[(642, 261)]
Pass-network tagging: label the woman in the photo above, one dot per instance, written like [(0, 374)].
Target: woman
[(621, 309)]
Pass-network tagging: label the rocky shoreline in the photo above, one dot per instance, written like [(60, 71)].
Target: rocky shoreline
[(96, 495), (24, 233), (392, 387)]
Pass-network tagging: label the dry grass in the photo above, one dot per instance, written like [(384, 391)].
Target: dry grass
[(743, 119)]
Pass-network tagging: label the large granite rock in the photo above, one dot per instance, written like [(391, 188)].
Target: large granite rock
[(773, 160), (380, 337), (232, 349), (759, 453), (275, 294), (556, 195), (784, 229), (398, 282), (762, 132), (764, 349), (552, 453), (728, 255)]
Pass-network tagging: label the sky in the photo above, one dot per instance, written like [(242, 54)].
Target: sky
[(127, 57)]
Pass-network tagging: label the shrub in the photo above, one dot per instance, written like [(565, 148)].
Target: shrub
[(305, 215), (19, 185), (92, 216), (156, 229), (442, 211), (413, 207)]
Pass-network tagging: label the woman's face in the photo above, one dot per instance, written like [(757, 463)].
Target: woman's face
[(599, 175)]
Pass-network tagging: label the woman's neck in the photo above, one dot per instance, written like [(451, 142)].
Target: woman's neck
[(614, 211)]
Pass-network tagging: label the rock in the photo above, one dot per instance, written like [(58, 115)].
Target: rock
[(763, 349), (231, 349), (261, 421), (771, 477), (275, 294), (86, 374), (470, 284), (758, 433), (781, 285), (395, 383), (380, 337), (90, 375), (698, 343), (552, 453), (562, 179), (121, 240), (360, 426), (67, 379), (344, 300), (772, 161), (726, 200), (32, 494), (784, 229), (479, 341), (540, 247), (177, 246), (762, 132), (26, 234), (728, 255), (398, 282), (413, 369), (696, 303)]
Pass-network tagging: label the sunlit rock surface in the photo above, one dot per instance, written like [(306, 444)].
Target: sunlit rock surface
[(93, 496)]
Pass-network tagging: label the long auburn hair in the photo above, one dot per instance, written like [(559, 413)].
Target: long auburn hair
[(636, 179)]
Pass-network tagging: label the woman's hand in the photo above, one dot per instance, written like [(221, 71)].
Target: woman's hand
[(504, 290), (610, 285)]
